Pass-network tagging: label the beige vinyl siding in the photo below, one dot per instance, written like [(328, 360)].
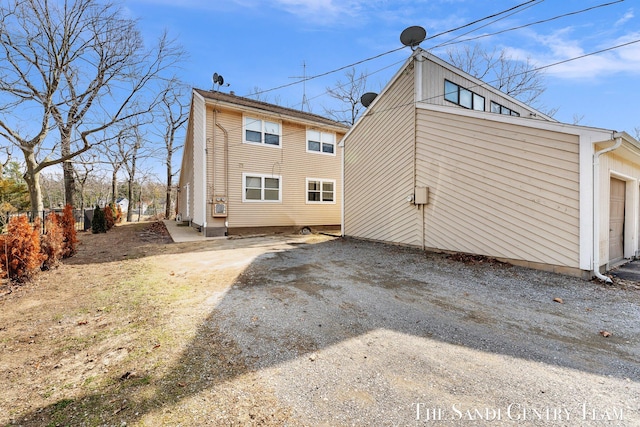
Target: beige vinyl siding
[(499, 189), (614, 165), (290, 161), (215, 165), (185, 197), (379, 166)]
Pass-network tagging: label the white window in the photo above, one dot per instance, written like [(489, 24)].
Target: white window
[(321, 142), (261, 188), (258, 131), (321, 190)]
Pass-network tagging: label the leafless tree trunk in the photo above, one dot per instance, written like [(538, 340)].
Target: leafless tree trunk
[(174, 112), (79, 66), (6, 162), (518, 79), (87, 165), (349, 94), (131, 171)]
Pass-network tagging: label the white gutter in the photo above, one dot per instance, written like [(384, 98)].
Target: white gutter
[(596, 217)]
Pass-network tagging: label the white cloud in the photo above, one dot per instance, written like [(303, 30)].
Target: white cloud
[(563, 46), (627, 16)]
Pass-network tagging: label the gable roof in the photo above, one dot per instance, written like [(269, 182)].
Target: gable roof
[(246, 104), (425, 55)]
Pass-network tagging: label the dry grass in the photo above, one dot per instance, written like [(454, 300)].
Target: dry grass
[(119, 334)]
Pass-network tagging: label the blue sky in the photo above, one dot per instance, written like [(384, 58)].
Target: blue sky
[(259, 44)]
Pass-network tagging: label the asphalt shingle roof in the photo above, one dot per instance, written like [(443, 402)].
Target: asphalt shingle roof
[(269, 108)]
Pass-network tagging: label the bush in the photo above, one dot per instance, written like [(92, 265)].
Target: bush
[(118, 214), (52, 243), (99, 222), (108, 216), (20, 255), (68, 225)]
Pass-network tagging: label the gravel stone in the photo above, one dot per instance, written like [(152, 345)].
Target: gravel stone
[(349, 332)]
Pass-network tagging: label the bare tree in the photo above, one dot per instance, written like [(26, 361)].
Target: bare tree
[(348, 93), (86, 167), (77, 65), (519, 79), (174, 112), (6, 161), (125, 152)]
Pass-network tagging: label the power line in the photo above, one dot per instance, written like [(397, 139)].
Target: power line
[(517, 74), (528, 4), (485, 18), (388, 52), (527, 25), (325, 73)]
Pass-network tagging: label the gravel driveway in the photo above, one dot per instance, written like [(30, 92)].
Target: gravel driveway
[(348, 332)]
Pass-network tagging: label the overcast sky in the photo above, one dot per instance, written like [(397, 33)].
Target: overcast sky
[(259, 44)]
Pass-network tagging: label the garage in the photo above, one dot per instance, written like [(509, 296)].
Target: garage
[(617, 203)]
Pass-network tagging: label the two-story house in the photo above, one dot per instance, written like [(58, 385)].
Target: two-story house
[(251, 166), (443, 161)]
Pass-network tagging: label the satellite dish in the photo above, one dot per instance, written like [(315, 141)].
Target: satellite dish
[(413, 36), (367, 98), (217, 79)]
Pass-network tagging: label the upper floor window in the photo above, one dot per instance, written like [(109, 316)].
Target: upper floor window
[(261, 188), (463, 97), (258, 131), (501, 109), (321, 142)]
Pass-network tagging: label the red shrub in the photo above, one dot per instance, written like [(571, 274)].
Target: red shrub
[(20, 254), (68, 225), (118, 214), (108, 216), (52, 243)]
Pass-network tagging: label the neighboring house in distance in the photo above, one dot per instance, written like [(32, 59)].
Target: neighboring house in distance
[(123, 202), (250, 165), (443, 161)]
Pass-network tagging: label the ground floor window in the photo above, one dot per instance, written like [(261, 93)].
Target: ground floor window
[(261, 188), (321, 190)]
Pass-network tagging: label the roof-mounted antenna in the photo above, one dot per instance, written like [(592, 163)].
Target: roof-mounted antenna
[(413, 36), (218, 80), (304, 86)]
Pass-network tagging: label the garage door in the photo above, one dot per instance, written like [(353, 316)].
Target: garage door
[(616, 220)]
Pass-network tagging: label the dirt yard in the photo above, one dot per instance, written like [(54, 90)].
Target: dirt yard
[(311, 330)]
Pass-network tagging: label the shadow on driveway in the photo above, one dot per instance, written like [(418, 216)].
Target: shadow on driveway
[(349, 332)]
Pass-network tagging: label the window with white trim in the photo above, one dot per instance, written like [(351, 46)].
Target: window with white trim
[(321, 142), (261, 188), (321, 190), (257, 131)]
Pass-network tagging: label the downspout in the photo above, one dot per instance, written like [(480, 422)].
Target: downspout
[(596, 205)]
